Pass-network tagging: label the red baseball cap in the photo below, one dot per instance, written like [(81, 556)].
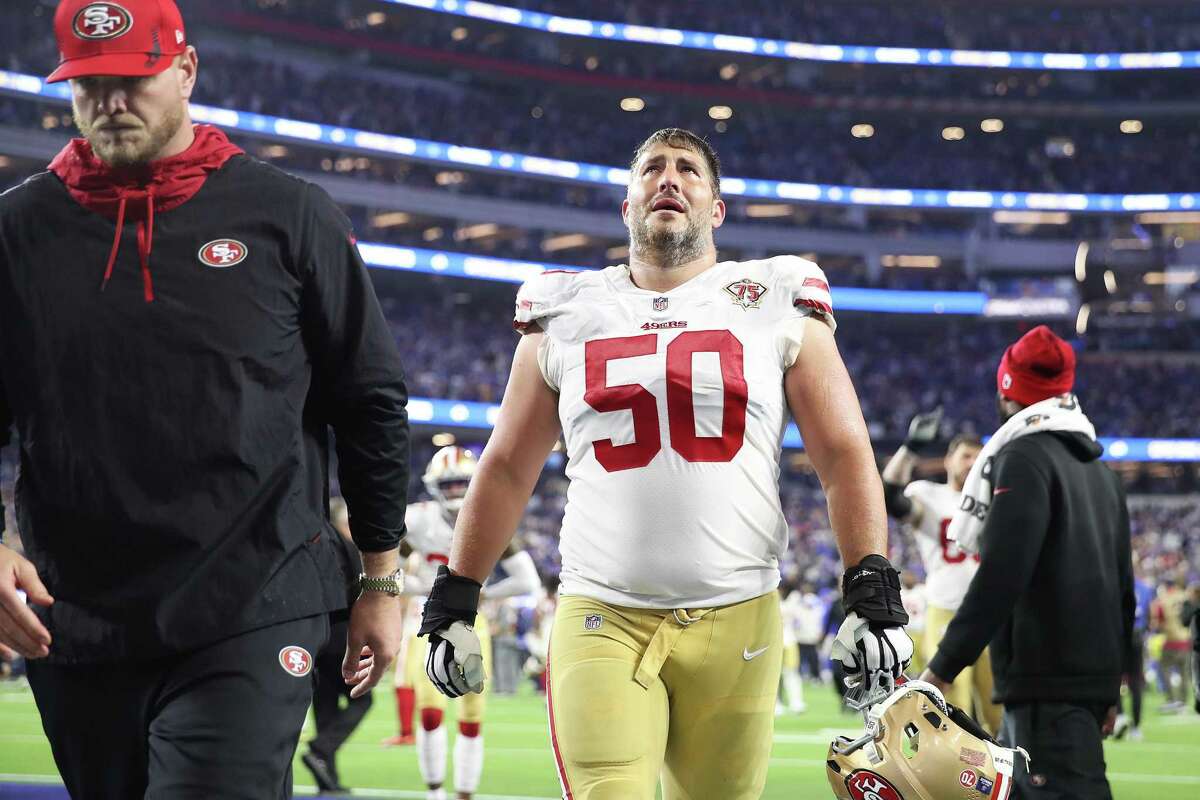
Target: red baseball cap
[(128, 38)]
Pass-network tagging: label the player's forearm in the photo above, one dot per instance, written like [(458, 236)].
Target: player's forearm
[(489, 517), (899, 468), (855, 496)]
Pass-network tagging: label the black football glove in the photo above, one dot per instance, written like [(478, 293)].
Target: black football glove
[(923, 431), (455, 661), (872, 637)]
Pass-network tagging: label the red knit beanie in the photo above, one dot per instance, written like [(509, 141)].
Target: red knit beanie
[(1039, 365)]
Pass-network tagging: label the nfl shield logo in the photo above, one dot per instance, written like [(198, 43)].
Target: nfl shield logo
[(660, 304), (592, 622)]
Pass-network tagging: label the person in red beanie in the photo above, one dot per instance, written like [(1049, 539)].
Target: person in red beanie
[(180, 326), (1053, 596)]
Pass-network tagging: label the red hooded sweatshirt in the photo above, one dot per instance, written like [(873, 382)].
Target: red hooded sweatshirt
[(140, 192)]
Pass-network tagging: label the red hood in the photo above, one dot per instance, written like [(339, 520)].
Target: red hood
[(154, 188)]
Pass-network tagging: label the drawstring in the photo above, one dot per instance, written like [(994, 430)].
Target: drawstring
[(145, 238), (112, 256), (145, 245)]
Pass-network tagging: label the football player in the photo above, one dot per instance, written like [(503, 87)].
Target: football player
[(927, 507), (671, 380), (430, 531)]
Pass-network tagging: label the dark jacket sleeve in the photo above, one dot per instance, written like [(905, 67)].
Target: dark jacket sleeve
[(1010, 543), (357, 376), (5, 438)]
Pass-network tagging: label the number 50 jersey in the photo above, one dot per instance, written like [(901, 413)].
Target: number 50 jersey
[(673, 412)]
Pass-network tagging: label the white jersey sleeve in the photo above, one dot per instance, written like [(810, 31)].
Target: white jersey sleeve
[(802, 284), (948, 569), (539, 301), (429, 535)]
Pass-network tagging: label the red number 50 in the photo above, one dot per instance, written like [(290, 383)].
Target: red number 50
[(681, 414)]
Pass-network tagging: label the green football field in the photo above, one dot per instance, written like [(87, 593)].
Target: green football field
[(519, 764)]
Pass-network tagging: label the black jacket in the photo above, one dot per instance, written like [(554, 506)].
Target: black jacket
[(1054, 591), (174, 453)]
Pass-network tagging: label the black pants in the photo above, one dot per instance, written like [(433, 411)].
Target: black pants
[(1065, 750), (1137, 676), (810, 661), (222, 721), (334, 723)]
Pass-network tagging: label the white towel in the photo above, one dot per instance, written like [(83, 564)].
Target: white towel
[(1060, 413)]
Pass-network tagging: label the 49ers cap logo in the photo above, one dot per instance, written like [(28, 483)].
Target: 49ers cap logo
[(866, 785), (102, 21), (295, 661), (222, 253)]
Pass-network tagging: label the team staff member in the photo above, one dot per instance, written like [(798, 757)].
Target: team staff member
[(179, 326), (1054, 590)]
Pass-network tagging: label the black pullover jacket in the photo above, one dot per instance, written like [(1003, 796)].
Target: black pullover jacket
[(1054, 590), (173, 426)]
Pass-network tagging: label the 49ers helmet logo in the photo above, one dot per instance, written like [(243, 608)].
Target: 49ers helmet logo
[(866, 785), (295, 661), (221, 253), (102, 21)]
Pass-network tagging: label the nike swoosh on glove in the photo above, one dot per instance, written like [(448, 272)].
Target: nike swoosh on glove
[(864, 649), (455, 661)]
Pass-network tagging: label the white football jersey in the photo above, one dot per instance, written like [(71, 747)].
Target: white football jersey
[(673, 411), (429, 535), (948, 568)]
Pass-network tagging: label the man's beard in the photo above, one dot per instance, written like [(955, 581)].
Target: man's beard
[(667, 246), (1005, 416), (139, 151)]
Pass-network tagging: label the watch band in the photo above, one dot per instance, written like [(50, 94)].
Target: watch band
[(388, 584)]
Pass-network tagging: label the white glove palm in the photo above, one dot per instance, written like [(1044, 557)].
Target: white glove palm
[(863, 651), (455, 661)]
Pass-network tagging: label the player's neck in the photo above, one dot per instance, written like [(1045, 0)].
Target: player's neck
[(655, 276)]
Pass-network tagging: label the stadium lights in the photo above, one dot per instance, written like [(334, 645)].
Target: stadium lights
[(376, 18), (1168, 218), (481, 230), (618, 253), (567, 241), (720, 112), (1081, 321), (991, 125), (390, 219), (910, 261), (1131, 126), (953, 133), (443, 439), (1175, 277), (1081, 254), (632, 104), (729, 72), (460, 33), (806, 51), (1031, 217), (472, 158), (1110, 281), (862, 131), (767, 210)]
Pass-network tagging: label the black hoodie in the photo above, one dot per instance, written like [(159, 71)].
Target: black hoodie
[(1054, 590), (173, 434)]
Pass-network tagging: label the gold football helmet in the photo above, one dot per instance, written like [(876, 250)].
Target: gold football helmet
[(918, 747)]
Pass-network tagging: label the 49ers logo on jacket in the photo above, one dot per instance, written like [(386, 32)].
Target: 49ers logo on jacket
[(222, 253), (866, 785), (102, 21), (295, 661)]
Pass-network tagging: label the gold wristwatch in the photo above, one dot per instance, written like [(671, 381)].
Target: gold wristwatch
[(392, 584)]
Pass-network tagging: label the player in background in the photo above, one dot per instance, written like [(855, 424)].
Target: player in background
[(430, 532), (671, 380), (791, 688), (927, 507)]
